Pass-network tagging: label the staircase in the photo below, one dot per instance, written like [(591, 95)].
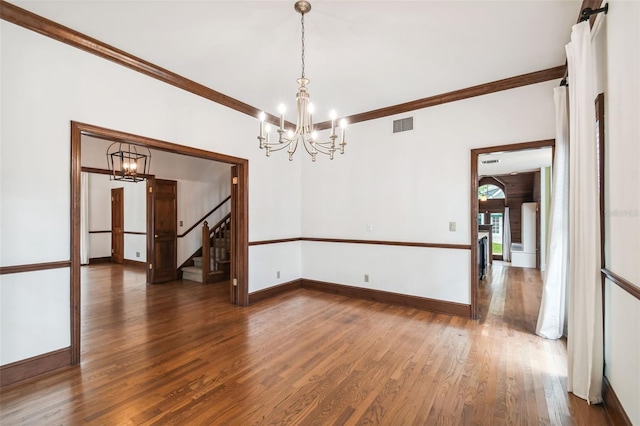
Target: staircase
[(218, 251)]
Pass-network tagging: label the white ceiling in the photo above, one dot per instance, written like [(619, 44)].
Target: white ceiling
[(514, 161), (361, 55)]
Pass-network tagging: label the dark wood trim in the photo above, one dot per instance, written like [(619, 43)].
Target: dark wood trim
[(48, 28), (600, 122), (473, 202), (240, 219), (270, 292), (107, 172), (623, 283), (457, 95), (612, 406), (282, 240), (545, 143), (100, 232), (116, 136), (373, 242), (390, 243), (134, 233), (35, 367), (98, 260), (192, 227), (74, 296), (423, 303), (30, 267), (134, 263)]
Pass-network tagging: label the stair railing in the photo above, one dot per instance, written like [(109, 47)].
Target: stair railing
[(215, 236), (206, 255)]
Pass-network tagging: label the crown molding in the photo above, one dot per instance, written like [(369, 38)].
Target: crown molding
[(457, 95), (48, 28), (51, 29)]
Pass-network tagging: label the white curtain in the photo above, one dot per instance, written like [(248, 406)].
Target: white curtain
[(84, 218), (506, 236), (552, 307), (584, 339)]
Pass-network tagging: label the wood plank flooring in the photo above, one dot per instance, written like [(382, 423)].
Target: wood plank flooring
[(180, 354)]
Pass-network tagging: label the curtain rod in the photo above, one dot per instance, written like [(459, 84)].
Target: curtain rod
[(587, 12)]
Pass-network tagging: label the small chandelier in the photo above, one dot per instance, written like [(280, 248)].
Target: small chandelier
[(127, 163), (288, 138)]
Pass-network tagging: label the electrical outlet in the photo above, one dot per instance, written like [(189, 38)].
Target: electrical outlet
[(366, 278), (181, 223), (452, 226), (278, 274), (369, 227), (137, 254)]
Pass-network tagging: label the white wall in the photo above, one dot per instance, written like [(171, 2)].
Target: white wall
[(37, 104), (99, 216), (195, 199), (621, 63), (408, 187)]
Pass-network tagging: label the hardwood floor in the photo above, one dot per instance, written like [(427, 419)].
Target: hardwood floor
[(179, 353)]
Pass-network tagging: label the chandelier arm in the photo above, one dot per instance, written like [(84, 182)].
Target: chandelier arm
[(323, 150), (306, 144), (278, 146)]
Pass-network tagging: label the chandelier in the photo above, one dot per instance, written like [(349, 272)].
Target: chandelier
[(304, 131), (128, 162)]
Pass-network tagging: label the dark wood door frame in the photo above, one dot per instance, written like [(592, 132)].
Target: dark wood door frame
[(240, 206), (473, 202)]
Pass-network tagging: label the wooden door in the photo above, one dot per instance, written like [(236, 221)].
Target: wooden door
[(162, 258), (117, 225)]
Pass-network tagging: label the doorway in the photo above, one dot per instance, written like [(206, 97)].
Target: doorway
[(239, 207), (475, 213), (117, 225), (162, 230)]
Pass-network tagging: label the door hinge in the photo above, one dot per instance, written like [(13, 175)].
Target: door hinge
[(151, 189), (150, 266), (111, 199), (234, 180), (235, 282), (111, 251)]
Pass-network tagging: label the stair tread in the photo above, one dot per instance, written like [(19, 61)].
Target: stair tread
[(197, 269)]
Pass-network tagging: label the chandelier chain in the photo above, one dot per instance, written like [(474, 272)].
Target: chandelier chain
[(302, 24)]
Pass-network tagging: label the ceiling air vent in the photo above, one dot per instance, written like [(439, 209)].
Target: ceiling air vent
[(403, 125), (490, 161)]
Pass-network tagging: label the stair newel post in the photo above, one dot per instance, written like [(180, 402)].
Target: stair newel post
[(206, 255)]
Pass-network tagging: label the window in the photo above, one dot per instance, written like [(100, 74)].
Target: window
[(491, 192), (496, 221)]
